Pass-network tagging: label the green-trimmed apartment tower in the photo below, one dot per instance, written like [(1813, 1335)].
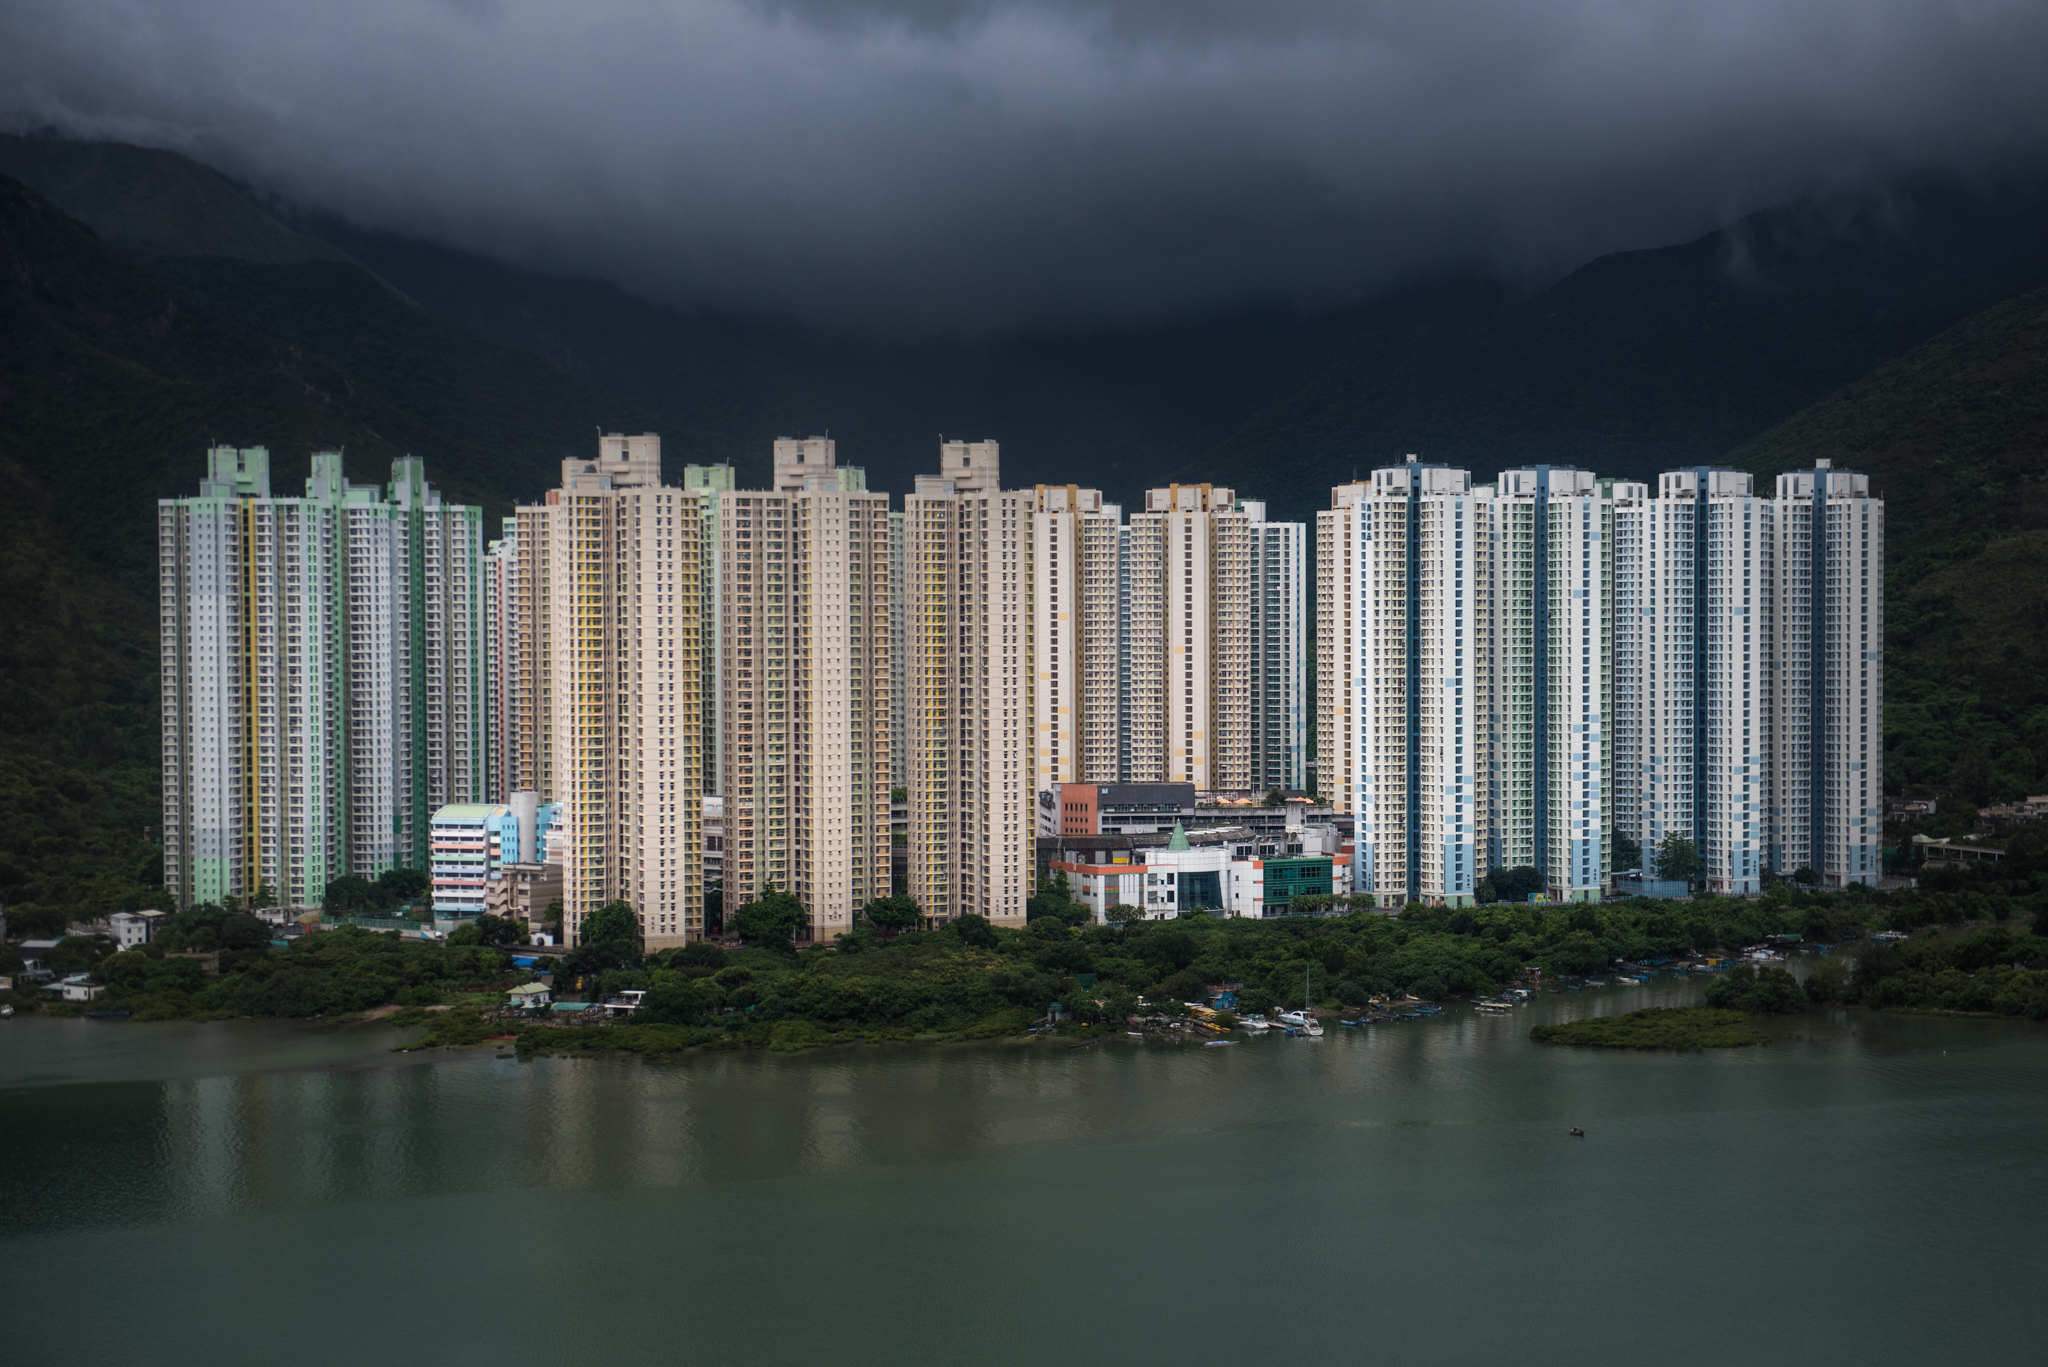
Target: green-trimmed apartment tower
[(323, 676)]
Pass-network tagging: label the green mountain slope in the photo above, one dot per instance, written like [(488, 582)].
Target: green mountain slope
[(116, 371), (1955, 435), (1641, 361), (152, 201)]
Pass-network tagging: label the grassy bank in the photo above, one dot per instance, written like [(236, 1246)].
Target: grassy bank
[(1657, 1027)]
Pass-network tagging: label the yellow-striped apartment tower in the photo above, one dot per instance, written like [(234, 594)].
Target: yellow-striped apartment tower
[(1337, 626), (1191, 655), (804, 730), (612, 570), (968, 718), (1077, 611), (323, 676)]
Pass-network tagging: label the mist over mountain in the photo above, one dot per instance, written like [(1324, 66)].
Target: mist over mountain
[(977, 167)]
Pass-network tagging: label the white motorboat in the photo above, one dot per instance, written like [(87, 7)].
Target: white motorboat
[(1253, 1024)]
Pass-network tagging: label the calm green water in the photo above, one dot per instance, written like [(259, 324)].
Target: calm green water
[(1867, 1189)]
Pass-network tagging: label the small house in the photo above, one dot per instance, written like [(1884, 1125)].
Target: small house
[(529, 996)]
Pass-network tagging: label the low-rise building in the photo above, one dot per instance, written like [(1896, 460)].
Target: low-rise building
[(132, 929), (1228, 871), (473, 845), (1115, 808)]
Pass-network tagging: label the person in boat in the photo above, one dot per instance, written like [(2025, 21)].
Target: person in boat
[(1576, 1133)]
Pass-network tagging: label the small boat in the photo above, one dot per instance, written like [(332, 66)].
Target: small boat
[(1596, 982), (1217, 1043), (1253, 1024), (1576, 1133), (1430, 1010), (6, 1013), (1632, 982), (1135, 1034), (118, 1013), (1353, 1024), (1300, 1020)]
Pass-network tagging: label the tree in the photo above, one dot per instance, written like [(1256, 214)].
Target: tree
[(1628, 854), (1743, 988), (1678, 860), (1805, 877), (614, 921), (771, 919), (1579, 953), (1515, 885), (1276, 798), (499, 930), (1056, 898), (1123, 913), (974, 931), (349, 893), (398, 886), (893, 914)]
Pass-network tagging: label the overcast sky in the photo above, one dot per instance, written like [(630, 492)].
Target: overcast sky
[(974, 164)]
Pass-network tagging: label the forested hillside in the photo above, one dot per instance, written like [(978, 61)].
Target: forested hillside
[(1955, 435), (116, 372)]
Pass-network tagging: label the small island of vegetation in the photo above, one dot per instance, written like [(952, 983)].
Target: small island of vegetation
[(1657, 1027)]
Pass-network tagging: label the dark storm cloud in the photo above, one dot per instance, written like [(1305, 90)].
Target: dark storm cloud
[(981, 163)]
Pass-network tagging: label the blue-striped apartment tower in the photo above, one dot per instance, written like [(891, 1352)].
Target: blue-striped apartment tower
[(1629, 508), (1828, 757), (1546, 542), (1413, 665), (1705, 699), (1278, 665)]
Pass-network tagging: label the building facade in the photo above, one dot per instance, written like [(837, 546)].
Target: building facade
[(1078, 692), (1826, 761), (1543, 562), (1416, 758), (1276, 556), (970, 670), (503, 628), (477, 846), (323, 668), (1702, 716), (804, 736), (612, 572)]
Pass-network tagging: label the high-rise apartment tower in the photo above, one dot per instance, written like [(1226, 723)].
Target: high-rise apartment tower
[(323, 676), (969, 672)]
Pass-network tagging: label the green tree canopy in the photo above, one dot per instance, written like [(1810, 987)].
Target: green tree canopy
[(1055, 898), (974, 931), (612, 922), (772, 918), (349, 893), (1678, 859), (1123, 913), (1515, 885), (400, 885), (893, 914)]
